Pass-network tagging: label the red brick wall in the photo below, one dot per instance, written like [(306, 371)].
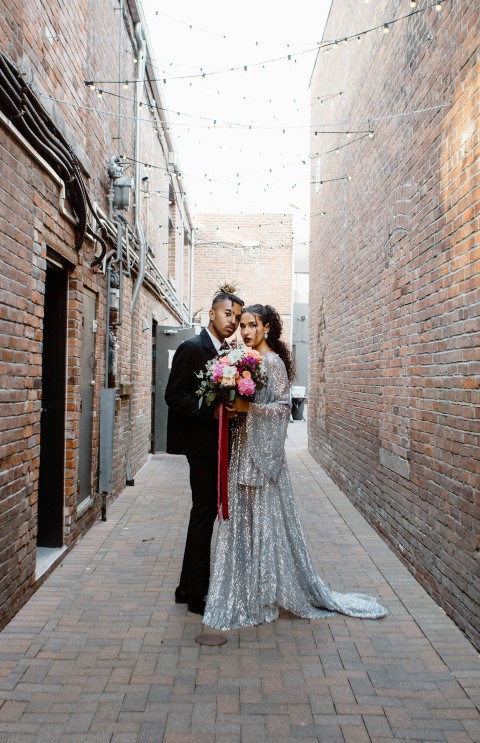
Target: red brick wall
[(395, 294), (263, 273), (85, 47)]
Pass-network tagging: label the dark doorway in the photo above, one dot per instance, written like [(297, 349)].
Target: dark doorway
[(52, 426), (167, 342)]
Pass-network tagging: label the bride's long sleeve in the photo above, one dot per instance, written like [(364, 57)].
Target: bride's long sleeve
[(266, 427)]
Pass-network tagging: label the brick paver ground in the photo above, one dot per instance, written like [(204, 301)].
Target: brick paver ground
[(102, 654)]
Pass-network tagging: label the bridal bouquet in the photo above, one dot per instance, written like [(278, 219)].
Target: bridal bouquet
[(237, 372)]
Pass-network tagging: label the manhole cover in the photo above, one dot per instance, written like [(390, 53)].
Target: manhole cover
[(211, 640)]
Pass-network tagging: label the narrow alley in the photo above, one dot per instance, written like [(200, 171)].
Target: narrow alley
[(101, 652)]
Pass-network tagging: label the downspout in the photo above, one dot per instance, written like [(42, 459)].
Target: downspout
[(120, 76), (192, 250), (141, 49), (138, 226)]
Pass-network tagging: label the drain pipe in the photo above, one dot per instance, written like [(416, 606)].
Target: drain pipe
[(141, 49), (192, 259)]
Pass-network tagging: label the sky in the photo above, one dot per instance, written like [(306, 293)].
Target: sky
[(242, 136)]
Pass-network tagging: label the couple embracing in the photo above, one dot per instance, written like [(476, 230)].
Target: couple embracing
[(261, 559)]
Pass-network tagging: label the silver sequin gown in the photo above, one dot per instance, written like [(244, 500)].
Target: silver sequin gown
[(261, 557)]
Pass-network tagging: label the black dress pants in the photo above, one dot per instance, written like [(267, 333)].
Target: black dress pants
[(195, 575)]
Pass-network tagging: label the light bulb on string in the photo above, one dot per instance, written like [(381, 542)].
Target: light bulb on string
[(438, 7), (386, 28), (413, 3), (100, 94), (125, 85)]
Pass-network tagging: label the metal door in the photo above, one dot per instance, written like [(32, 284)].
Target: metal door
[(166, 343), (87, 386), (52, 425)]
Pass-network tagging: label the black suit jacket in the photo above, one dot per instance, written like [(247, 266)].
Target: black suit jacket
[(190, 430)]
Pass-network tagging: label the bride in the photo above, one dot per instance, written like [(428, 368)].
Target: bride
[(261, 557)]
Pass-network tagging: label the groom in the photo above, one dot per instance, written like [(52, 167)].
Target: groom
[(194, 432)]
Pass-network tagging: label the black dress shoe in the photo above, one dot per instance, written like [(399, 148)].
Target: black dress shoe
[(181, 595), (196, 606)]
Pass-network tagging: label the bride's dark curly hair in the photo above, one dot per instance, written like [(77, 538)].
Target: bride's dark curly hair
[(269, 314)]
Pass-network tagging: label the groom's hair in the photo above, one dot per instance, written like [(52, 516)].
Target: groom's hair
[(227, 292)]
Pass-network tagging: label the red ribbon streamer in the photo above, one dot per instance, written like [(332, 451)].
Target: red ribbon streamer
[(222, 480)]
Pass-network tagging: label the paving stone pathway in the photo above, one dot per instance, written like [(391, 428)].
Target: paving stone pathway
[(102, 654)]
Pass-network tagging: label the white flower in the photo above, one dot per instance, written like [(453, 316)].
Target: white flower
[(229, 372), (235, 355)]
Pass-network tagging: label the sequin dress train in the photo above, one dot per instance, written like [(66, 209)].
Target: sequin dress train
[(261, 557)]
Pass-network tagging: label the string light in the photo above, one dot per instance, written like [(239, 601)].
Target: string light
[(413, 3), (331, 180), (323, 98), (322, 46), (369, 133)]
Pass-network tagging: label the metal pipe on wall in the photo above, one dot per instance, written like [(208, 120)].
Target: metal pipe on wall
[(141, 56), (141, 46), (192, 249)]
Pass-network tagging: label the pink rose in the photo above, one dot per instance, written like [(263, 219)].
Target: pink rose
[(246, 386), (216, 372)]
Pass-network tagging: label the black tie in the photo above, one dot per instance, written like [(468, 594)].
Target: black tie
[(224, 346)]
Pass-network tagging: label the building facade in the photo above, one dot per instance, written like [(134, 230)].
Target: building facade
[(395, 291), (252, 251), (95, 258)]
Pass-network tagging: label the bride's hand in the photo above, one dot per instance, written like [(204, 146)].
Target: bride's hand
[(231, 413), (239, 405)]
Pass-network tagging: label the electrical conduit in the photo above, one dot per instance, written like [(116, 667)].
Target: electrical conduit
[(141, 49)]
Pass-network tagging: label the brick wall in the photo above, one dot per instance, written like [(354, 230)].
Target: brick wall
[(395, 295), (57, 49), (226, 251)]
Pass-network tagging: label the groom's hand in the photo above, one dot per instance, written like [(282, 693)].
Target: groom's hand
[(230, 413)]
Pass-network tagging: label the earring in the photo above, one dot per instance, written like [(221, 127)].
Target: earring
[(265, 335)]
